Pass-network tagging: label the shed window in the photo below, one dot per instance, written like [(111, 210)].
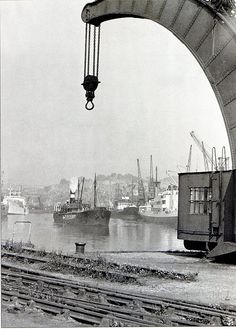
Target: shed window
[(200, 198)]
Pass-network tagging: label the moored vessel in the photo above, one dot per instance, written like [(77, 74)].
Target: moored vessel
[(75, 212), (124, 206), (164, 205), (125, 210), (15, 203)]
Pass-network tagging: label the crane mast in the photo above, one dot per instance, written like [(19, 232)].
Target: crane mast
[(171, 177), (188, 167), (223, 161), (206, 156), (81, 193), (151, 187), (95, 192), (206, 166), (157, 184), (141, 192)]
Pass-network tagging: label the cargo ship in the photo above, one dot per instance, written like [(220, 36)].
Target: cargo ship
[(75, 212), (125, 210), (164, 205), (15, 203), (124, 206)]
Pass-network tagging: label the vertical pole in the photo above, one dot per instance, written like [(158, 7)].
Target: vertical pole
[(132, 191), (95, 192), (78, 188)]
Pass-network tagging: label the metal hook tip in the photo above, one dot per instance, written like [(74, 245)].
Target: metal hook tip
[(87, 106)]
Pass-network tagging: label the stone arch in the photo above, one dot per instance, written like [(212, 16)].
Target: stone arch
[(192, 22)]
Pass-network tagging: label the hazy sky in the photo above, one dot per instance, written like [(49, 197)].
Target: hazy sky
[(152, 94)]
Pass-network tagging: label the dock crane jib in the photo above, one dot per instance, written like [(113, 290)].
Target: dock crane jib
[(141, 191)]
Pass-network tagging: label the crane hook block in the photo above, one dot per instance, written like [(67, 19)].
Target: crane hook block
[(90, 84)]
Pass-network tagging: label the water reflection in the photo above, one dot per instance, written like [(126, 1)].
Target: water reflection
[(125, 235), (81, 229)]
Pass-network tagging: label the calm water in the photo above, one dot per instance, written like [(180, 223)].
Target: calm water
[(125, 235)]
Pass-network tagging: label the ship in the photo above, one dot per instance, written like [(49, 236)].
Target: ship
[(74, 211), (125, 209), (15, 203), (164, 205)]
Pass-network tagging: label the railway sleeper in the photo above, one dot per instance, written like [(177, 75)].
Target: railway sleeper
[(196, 308), (125, 268), (166, 318), (43, 304)]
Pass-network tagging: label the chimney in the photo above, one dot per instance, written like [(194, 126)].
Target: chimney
[(72, 197)]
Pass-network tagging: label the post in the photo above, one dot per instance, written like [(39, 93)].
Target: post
[(95, 192), (79, 247)]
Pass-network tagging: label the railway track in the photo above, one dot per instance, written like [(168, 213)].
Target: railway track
[(95, 306)]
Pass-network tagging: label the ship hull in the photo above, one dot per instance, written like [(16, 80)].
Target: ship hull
[(126, 213), (87, 217), (16, 208), (162, 216)]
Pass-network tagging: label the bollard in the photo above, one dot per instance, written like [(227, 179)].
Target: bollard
[(79, 247)]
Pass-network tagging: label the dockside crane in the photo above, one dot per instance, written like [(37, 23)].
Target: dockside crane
[(171, 177), (141, 191), (157, 184), (81, 193), (132, 187), (223, 161), (188, 166), (206, 156), (151, 187)]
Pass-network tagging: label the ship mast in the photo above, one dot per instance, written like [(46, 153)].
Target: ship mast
[(132, 191), (81, 193), (141, 192), (151, 188), (95, 192), (78, 187)]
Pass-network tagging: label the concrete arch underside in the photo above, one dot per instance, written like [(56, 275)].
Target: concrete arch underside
[(192, 22)]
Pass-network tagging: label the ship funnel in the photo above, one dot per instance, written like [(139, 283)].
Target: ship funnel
[(73, 188), (72, 197), (73, 184)]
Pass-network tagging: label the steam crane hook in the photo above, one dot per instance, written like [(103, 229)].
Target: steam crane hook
[(91, 63)]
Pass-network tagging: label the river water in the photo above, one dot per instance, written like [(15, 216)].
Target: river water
[(122, 235)]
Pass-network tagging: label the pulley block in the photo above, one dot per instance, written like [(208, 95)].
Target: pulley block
[(90, 84), (91, 63)]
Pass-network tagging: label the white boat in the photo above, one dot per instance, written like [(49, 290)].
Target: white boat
[(16, 203), (165, 204)]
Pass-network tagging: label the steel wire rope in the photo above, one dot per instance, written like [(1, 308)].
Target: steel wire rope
[(89, 40), (94, 49), (85, 49), (98, 48)]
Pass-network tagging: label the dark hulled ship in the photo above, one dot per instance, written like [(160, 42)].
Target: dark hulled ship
[(75, 212), (125, 210), (124, 207)]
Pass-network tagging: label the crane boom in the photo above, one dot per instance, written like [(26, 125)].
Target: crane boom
[(141, 192), (151, 187), (188, 167), (171, 177), (82, 189), (206, 156)]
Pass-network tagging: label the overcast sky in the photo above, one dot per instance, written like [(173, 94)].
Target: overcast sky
[(152, 94)]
